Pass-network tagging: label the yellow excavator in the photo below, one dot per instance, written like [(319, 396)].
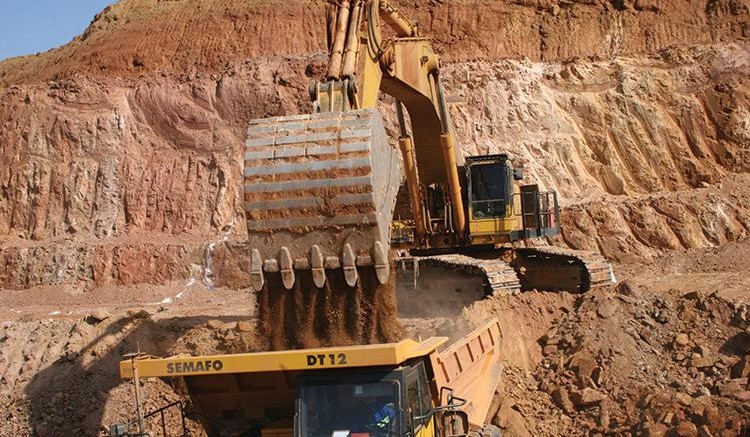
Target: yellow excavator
[(325, 197)]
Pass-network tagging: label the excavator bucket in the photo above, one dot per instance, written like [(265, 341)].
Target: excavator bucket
[(320, 190)]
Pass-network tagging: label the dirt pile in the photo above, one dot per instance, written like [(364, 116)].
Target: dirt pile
[(630, 362), (638, 358)]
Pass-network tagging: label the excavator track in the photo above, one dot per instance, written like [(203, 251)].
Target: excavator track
[(446, 283), (499, 277), (560, 269)]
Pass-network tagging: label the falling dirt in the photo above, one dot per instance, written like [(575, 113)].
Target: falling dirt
[(307, 316)]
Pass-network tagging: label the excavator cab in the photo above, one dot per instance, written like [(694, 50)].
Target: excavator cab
[(499, 209), (489, 187)]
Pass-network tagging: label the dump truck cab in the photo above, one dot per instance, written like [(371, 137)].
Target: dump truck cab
[(381, 402), (407, 388)]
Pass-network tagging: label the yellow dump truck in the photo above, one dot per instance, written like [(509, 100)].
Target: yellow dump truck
[(407, 388)]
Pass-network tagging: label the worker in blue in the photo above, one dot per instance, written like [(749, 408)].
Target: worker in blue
[(384, 418)]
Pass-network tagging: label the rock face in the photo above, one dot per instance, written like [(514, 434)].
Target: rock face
[(122, 150), (130, 38)]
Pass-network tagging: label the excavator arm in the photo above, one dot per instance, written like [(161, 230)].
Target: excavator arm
[(363, 63)]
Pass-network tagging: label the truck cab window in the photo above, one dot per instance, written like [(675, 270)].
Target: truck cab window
[(349, 410), (418, 395)]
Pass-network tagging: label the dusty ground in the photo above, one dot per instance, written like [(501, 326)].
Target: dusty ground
[(59, 370), (121, 223)]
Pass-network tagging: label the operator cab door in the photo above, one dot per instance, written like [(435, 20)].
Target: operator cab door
[(420, 412), (491, 197)]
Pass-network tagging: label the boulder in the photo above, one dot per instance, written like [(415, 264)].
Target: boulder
[(655, 430), (244, 326), (511, 421), (215, 324), (701, 362), (587, 398), (583, 364), (732, 386), (607, 309), (686, 429), (561, 397), (713, 418), (741, 369), (684, 398), (681, 340), (99, 315)]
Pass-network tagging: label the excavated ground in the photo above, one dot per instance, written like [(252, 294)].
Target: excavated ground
[(666, 350), (121, 222)]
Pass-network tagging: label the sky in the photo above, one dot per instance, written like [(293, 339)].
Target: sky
[(31, 26)]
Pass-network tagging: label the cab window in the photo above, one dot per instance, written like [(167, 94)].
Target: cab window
[(489, 190), (347, 409), (418, 396)]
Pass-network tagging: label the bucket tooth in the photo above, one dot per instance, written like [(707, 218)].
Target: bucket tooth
[(316, 265), (286, 267), (256, 270), (380, 259), (348, 259)]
